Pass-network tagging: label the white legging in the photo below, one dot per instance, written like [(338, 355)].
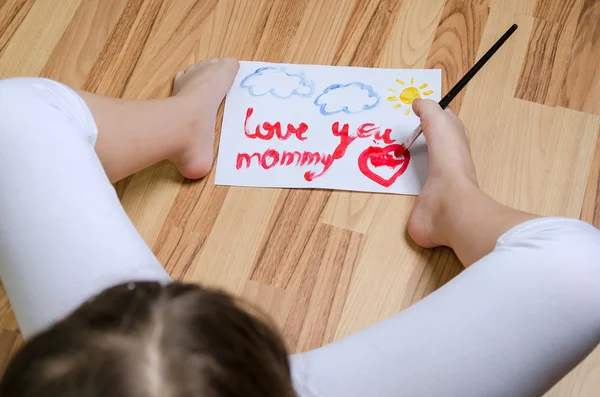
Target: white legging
[(510, 325)]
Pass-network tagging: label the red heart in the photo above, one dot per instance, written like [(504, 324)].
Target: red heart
[(391, 156)]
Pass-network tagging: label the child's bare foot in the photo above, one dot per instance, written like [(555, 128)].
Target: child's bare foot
[(451, 177), (201, 89)]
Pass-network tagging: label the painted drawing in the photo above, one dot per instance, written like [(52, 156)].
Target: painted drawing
[(312, 126), (277, 81), (349, 98), (407, 93)]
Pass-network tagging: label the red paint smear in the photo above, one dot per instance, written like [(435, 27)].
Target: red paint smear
[(345, 140), (273, 155), (274, 130), (366, 130), (400, 151), (299, 131), (385, 137), (327, 161), (380, 157)]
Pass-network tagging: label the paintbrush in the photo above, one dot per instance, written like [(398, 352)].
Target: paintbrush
[(460, 85)]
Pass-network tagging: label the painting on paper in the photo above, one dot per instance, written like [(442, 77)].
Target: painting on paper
[(330, 127)]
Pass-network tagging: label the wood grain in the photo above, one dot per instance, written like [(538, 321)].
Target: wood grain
[(581, 88), (83, 41), (12, 14), (457, 38), (559, 11), (327, 265), (276, 303), (7, 318), (286, 237), (379, 25), (116, 62), (311, 259), (590, 210), (548, 55), (515, 7), (7, 341), (34, 25), (412, 34), (534, 83)]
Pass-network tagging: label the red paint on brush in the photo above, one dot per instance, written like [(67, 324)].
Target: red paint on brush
[(400, 151)]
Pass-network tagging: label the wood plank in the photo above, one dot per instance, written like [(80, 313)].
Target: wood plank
[(292, 222), (8, 339), (482, 102), (548, 52), (560, 11), (351, 210), (320, 19), (194, 210), (16, 62), (551, 160), (515, 7), (374, 37), (234, 241), (389, 258), (514, 174), (167, 48), (436, 268), (283, 21), (84, 39), (328, 261), (115, 64), (276, 302), (581, 88), (412, 34), (354, 31), (149, 197), (177, 251), (590, 211), (12, 14), (456, 43), (7, 317), (570, 152), (544, 43)]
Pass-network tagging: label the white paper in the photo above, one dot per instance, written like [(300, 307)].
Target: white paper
[(311, 113)]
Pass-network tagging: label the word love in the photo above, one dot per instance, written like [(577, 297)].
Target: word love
[(272, 158), (271, 130)]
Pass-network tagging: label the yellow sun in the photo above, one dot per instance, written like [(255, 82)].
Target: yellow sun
[(408, 94)]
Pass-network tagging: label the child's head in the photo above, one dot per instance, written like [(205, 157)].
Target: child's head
[(146, 340)]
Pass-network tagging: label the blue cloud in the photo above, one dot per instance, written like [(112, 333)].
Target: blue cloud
[(278, 82), (350, 98)]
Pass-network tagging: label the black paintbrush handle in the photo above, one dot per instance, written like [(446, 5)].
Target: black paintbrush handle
[(462, 83), (473, 71)]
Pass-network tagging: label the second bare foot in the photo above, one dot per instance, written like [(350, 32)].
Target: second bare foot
[(201, 89), (451, 174)]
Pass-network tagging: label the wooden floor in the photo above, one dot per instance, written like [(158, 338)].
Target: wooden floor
[(327, 263)]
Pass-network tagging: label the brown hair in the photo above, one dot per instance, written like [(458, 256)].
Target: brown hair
[(145, 339)]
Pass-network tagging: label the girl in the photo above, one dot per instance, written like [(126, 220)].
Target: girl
[(101, 317)]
